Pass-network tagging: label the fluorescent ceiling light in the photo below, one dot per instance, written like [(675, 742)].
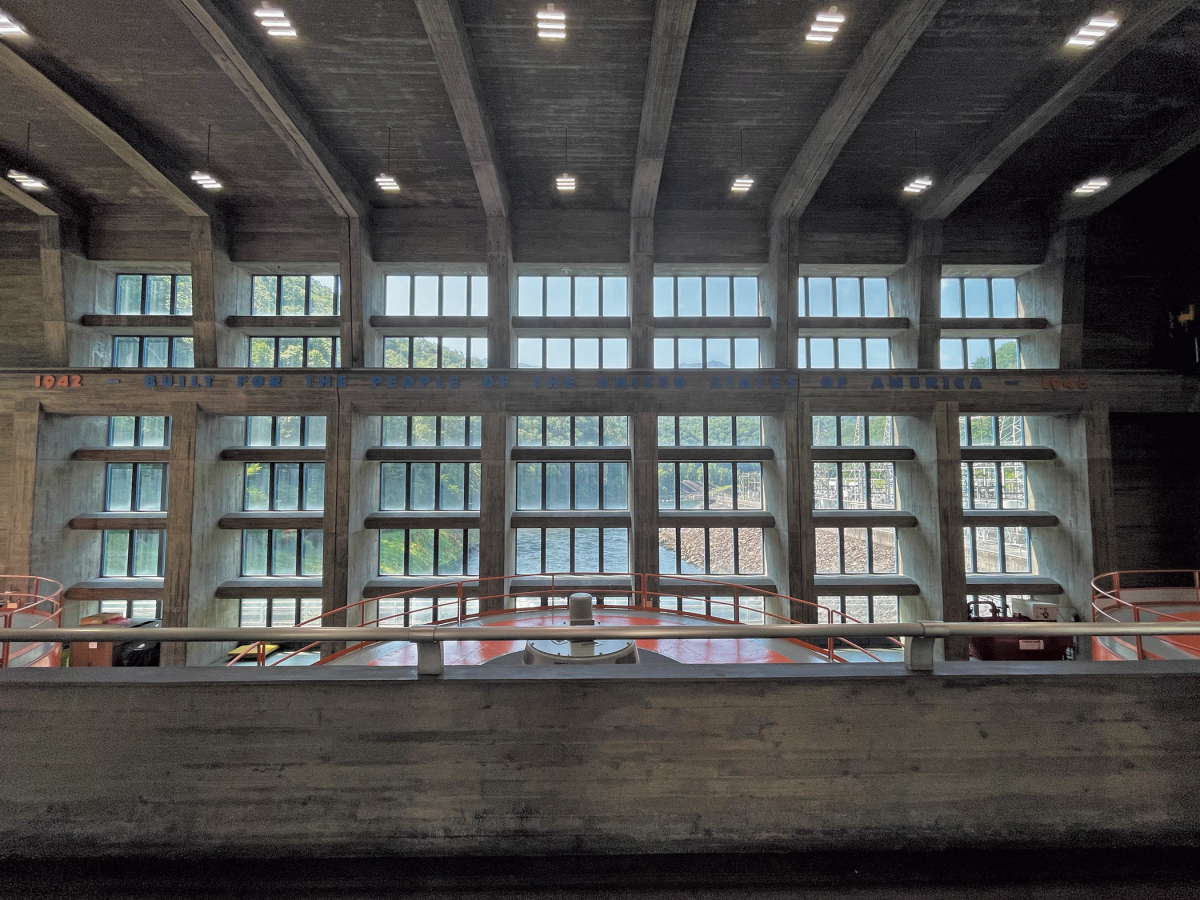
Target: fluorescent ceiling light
[(206, 181), (1094, 30), (565, 183), (825, 26), (387, 182), (1091, 186), (919, 185), (742, 185), (8, 25), (552, 23), (27, 182), (275, 20)]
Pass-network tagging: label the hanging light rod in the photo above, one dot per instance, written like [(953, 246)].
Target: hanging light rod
[(204, 179), (825, 26), (1091, 186), (1094, 30), (565, 182), (388, 182), (743, 184), (10, 26), (27, 182), (275, 21), (551, 23), (919, 185)]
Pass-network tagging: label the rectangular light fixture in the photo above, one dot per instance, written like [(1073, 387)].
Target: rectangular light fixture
[(387, 182), (742, 185), (9, 25), (552, 23), (565, 183), (919, 185), (275, 20), (1091, 186), (1094, 30), (206, 181), (27, 182), (827, 23)]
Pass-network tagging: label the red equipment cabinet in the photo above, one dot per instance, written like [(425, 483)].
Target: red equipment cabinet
[(1014, 648)]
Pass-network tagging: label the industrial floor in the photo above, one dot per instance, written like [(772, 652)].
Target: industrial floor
[(1121, 874)]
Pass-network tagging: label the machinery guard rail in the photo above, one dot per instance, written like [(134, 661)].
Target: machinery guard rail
[(918, 651)]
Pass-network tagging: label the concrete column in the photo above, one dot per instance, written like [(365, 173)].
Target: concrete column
[(363, 545), (643, 495), (358, 288), (26, 420), (916, 492), (1055, 291), (916, 294), (791, 551), (952, 564), (339, 432), (1098, 441), (54, 309), (502, 346), (779, 299), (497, 495), (641, 292), (216, 552), (177, 576)]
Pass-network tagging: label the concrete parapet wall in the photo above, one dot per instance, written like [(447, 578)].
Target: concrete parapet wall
[(361, 762)]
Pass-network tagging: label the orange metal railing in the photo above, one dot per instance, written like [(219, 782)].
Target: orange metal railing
[(28, 601), (1114, 593), (452, 609)]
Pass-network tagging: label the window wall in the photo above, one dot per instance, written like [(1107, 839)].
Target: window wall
[(152, 295), (572, 295), (687, 296), (295, 295), (152, 352), (980, 299), (436, 295)]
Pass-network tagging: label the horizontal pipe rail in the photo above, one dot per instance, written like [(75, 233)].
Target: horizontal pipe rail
[(442, 633)]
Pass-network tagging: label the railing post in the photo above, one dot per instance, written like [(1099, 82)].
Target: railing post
[(429, 659), (1137, 617), (918, 653)]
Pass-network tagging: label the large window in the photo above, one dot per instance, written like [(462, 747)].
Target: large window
[(882, 609), (436, 295), (401, 612), (710, 485), (987, 553), (706, 353), (153, 295), (429, 486), (854, 485), (284, 486), (282, 551), (572, 353), (979, 298), (132, 554), (853, 431), (278, 612), (132, 609), (856, 551), (432, 431), (152, 352), (981, 353), (573, 431), (991, 431), (572, 295), (429, 551), (709, 295), (988, 484), (844, 353), (589, 550), (138, 431), (572, 485), (295, 352), (136, 487), (823, 297), (295, 295), (435, 352), (709, 431), (710, 551), (285, 431)]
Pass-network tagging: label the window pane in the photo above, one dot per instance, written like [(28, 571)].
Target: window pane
[(323, 293), (854, 551), (975, 297), (151, 487), (879, 353), (393, 488), (666, 486), (182, 348), (720, 485), (820, 297), (616, 550), (720, 431), (473, 484), (720, 551), (587, 353), (558, 353), (746, 353), (126, 352), (615, 354), (529, 551), (824, 431), (952, 353), (291, 295), (826, 493), (284, 551), (979, 353), (883, 485), (452, 486), (821, 353), (157, 352), (616, 431), (312, 546), (183, 295), (664, 353), (664, 300), (558, 296), (158, 295), (668, 556), (666, 431), (745, 296), (875, 296), (587, 549), (558, 485), (749, 431), (1004, 298), (529, 431), (749, 486), (116, 554), (558, 431), (146, 555), (718, 353), (850, 353), (320, 352), (454, 353), (450, 552), (883, 551), (1008, 355), (291, 352), (529, 296), (587, 296), (1016, 550), (693, 556), (691, 431), (263, 299), (689, 296), (557, 549), (750, 551), (420, 551), (848, 302), (615, 302), (129, 295), (287, 431), (397, 301), (587, 431), (425, 352), (121, 431), (454, 295), (951, 300), (424, 485), (716, 290), (391, 551), (691, 485), (587, 486), (154, 431), (479, 295), (425, 295), (120, 487), (802, 354)]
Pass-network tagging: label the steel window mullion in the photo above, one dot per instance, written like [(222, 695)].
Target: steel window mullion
[(737, 555)]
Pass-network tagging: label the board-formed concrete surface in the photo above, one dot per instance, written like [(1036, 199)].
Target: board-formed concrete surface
[(359, 762)]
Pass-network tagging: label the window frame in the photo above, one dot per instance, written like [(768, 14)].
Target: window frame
[(966, 367), (337, 293), (804, 295), (270, 613), (176, 341), (870, 494), (439, 339), (471, 279), (705, 341), (574, 313), (302, 485), (139, 431), (305, 430), (130, 553), (601, 476), (136, 486), (335, 355), (704, 484), (991, 298), (435, 556), (870, 551), (804, 353), (270, 558), (600, 430), (144, 293), (708, 529), (600, 351), (472, 428), (704, 311), (469, 468), (573, 567), (971, 550)]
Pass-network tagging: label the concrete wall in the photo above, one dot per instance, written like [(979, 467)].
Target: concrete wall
[(365, 762)]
